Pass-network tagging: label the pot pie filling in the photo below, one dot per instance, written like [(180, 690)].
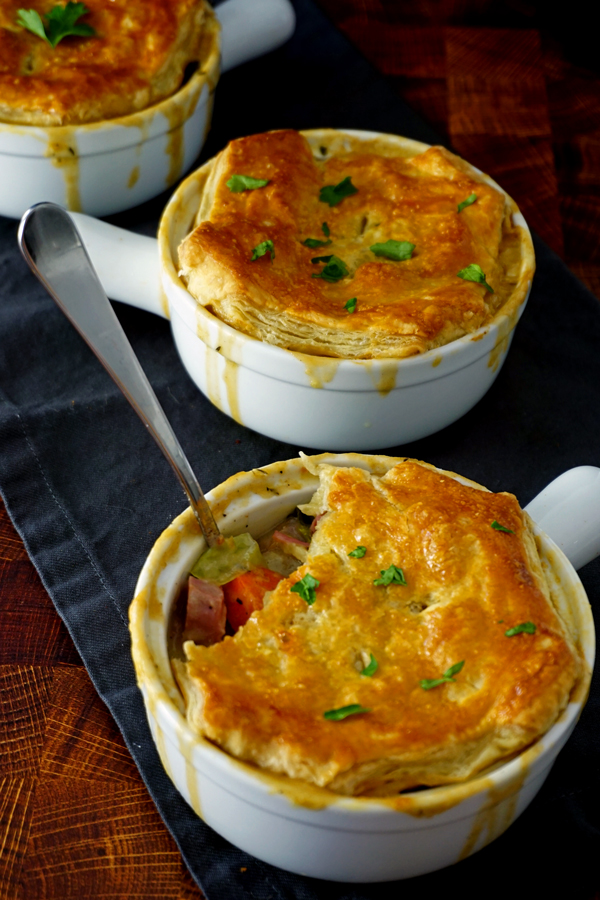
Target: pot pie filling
[(354, 249), (406, 638), (137, 57)]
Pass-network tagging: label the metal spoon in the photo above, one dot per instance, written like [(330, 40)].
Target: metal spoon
[(55, 253)]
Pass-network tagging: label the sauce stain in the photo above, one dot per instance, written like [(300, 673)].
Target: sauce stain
[(133, 177), (63, 153)]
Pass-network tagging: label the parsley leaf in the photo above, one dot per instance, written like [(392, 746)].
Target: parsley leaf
[(359, 551), (336, 715), (393, 575), (307, 588), (335, 193), (428, 683), (470, 199), (523, 628), (498, 527), (474, 273), (61, 22), (398, 250), (325, 229), (335, 269), (261, 249), (318, 259), (350, 305), (239, 183), (371, 668), (313, 243)]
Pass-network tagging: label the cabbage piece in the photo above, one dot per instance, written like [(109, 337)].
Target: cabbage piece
[(224, 562)]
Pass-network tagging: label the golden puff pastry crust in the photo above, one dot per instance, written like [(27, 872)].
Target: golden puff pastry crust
[(262, 694), (138, 57), (406, 192)]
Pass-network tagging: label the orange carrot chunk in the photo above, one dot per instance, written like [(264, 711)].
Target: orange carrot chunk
[(245, 593)]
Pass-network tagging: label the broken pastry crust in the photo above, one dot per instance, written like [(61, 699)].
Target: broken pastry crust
[(138, 57), (262, 694), (407, 192)]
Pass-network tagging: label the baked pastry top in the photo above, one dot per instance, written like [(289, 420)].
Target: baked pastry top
[(137, 58), (403, 193), (472, 591)]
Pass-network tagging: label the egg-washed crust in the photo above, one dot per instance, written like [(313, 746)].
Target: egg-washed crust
[(406, 192), (261, 694), (138, 58)]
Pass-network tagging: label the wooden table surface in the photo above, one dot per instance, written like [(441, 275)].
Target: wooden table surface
[(75, 818)]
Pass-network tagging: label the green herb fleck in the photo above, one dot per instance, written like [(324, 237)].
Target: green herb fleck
[(239, 183), (428, 683), (370, 670), (325, 229), (263, 248), (397, 250), (523, 628), (474, 273), (318, 259), (60, 22), (358, 552), (498, 527), (307, 588), (350, 305), (393, 575), (335, 269), (470, 199), (313, 243), (335, 715), (335, 193)]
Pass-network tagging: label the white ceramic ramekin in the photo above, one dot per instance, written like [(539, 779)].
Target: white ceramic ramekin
[(294, 397), (108, 166), (307, 829)]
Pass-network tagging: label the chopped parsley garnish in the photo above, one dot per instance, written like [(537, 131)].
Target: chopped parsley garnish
[(393, 575), (59, 23), (313, 243), (263, 248), (307, 588), (371, 668), (523, 628), (397, 250), (358, 552), (474, 273), (428, 683), (335, 715), (335, 193), (335, 269), (470, 199), (239, 183), (350, 305), (498, 527)]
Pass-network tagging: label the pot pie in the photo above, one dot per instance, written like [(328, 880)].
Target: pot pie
[(417, 644), (137, 57), (327, 244)]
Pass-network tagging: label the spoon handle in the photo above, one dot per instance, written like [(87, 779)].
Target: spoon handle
[(55, 253)]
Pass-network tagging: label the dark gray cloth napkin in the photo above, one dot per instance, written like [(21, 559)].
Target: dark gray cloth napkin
[(89, 492)]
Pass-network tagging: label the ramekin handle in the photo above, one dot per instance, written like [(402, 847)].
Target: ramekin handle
[(250, 28), (127, 264), (568, 510)]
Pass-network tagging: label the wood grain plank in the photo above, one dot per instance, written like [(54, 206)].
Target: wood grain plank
[(24, 692), (503, 55), (81, 738), (94, 839), (418, 52), (15, 820)]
